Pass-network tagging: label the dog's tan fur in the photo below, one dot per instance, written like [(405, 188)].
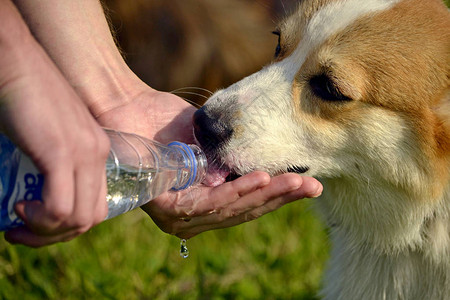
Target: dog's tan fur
[(383, 154)]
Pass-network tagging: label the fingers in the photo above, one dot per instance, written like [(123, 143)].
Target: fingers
[(282, 190), (74, 199), (219, 198), (232, 203), (251, 198), (171, 207), (90, 183), (237, 214), (23, 235), (59, 228), (58, 197)]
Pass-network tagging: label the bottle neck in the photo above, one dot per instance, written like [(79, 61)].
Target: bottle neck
[(195, 165)]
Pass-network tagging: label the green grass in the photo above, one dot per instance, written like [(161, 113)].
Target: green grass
[(279, 256)]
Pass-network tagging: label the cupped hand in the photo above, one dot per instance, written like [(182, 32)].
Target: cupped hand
[(198, 209)]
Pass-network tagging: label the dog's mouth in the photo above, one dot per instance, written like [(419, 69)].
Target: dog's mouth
[(220, 172), (216, 175)]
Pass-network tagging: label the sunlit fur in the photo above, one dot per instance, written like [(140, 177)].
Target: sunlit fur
[(383, 156)]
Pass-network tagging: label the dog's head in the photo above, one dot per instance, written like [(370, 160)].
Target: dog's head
[(357, 89)]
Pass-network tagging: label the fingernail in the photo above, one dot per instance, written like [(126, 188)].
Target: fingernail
[(21, 210), (318, 191)]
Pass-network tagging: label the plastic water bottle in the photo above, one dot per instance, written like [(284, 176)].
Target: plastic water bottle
[(137, 170)]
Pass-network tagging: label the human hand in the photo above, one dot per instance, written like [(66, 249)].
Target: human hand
[(198, 209), (156, 115), (43, 115)]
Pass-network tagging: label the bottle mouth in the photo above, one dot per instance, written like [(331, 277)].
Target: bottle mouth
[(196, 163), (201, 162)]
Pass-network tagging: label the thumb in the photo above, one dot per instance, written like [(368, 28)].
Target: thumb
[(25, 210)]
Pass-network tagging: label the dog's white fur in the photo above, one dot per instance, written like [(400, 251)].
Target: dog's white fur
[(383, 155)]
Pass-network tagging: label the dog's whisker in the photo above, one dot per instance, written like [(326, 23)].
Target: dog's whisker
[(223, 166), (195, 104), (190, 93), (284, 7), (195, 91), (192, 88)]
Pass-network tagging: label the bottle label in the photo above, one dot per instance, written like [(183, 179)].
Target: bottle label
[(24, 184)]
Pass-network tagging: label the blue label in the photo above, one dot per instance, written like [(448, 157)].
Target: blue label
[(33, 186), (9, 165)]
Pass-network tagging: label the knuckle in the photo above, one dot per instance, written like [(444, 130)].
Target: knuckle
[(90, 143), (61, 154), (103, 145), (293, 182), (97, 144), (58, 213)]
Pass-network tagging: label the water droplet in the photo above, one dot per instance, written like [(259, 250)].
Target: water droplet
[(184, 252)]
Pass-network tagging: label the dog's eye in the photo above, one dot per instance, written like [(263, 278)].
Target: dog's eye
[(278, 48), (324, 87)]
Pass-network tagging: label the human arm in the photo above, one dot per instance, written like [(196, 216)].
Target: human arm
[(118, 99), (43, 115)]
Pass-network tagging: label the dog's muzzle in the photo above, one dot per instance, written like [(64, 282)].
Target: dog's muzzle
[(210, 131)]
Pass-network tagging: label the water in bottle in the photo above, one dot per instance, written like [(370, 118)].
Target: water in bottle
[(137, 170)]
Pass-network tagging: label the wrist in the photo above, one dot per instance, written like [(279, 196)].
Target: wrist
[(77, 37), (18, 48), (13, 29), (107, 84)]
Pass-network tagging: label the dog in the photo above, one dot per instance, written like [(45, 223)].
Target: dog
[(358, 96)]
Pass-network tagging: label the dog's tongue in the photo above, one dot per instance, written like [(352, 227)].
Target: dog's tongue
[(215, 176)]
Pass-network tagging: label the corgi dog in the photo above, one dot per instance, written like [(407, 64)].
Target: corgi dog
[(358, 96)]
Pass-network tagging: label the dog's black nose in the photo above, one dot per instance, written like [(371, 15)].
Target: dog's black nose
[(211, 132)]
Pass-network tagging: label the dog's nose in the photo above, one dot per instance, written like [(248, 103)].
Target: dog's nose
[(209, 131)]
